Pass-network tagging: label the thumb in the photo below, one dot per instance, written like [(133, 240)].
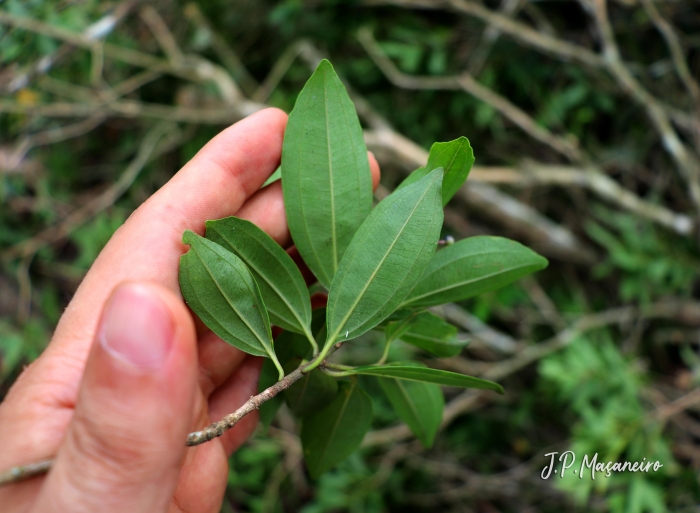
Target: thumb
[(126, 441)]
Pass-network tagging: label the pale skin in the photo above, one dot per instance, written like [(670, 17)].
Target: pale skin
[(129, 372)]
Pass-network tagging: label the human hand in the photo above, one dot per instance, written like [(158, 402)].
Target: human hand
[(129, 372)]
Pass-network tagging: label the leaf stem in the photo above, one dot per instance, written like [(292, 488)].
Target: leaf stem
[(317, 361), (311, 340), (385, 354), (337, 366), (336, 374), (274, 359)]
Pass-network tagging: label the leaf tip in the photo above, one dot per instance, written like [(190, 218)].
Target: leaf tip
[(188, 237), (324, 65)]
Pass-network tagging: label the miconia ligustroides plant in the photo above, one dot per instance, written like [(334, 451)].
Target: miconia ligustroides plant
[(381, 268)]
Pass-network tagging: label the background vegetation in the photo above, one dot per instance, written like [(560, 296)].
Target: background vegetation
[(584, 120)]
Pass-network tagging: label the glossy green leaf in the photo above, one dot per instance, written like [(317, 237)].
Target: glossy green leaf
[(419, 405), (455, 157), (426, 375), (281, 284), (332, 434), (326, 178), (471, 267), (311, 393), (221, 290), (385, 259), (430, 333)]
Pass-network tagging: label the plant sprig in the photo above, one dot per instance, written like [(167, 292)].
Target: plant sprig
[(381, 267)]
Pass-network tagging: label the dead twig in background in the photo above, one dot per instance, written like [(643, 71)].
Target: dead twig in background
[(162, 33), (688, 163), (549, 237), (228, 57), (467, 83), (589, 176), (675, 48), (90, 209), (469, 399)]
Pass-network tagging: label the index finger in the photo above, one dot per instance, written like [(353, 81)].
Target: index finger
[(214, 184)]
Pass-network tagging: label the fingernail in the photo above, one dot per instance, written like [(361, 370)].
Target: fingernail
[(137, 327)]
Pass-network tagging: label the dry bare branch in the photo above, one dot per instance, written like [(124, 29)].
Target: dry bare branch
[(674, 45), (686, 161), (466, 82), (91, 208)]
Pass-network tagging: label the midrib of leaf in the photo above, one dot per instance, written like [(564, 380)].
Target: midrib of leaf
[(454, 156), (376, 270), (194, 289), (402, 378), (411, 406), (303, 213), (349, 132), (338, 419), (425, 337), (249, 263), (252, 292), (334, 240), (456, 284)]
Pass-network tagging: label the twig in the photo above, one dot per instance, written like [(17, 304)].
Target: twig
[(688, 164), (550, 238), (223, 50), (531, 173), (492, 338), (545, 43), (95, 31), (469, 399), (674, 45), (101, 202), (135, 109), (606, 188), (589, 177), (22, 472), (219, 428), (466, 82), (665, 412), (279, 69), (54, 135), (478, 57), (543, 302), (191, 68), (162, 34)]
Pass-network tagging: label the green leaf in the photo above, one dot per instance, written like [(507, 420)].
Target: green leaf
[(281, 284), (473, 266), (326, 179), (332, 434), (221, 290), (455, 157), (430, 333), (439, 377), (311, 393), (419, 405), (386, 257), (274, 177)]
